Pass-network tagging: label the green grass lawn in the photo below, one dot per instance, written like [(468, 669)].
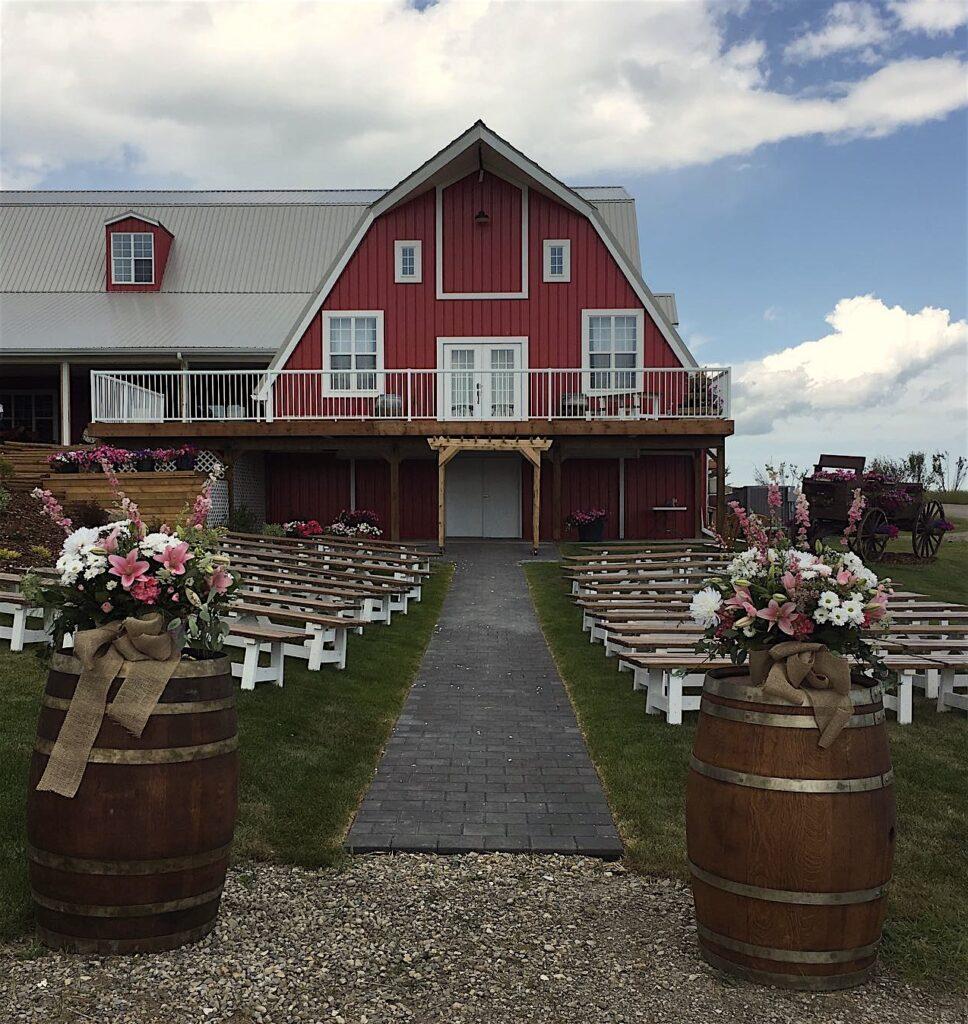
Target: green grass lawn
[(643, 764), (308, 750), (945, 578)]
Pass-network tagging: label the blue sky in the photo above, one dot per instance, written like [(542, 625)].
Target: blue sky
[(799, 167)]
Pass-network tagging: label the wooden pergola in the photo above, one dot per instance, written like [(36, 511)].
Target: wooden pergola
[(447, 448)]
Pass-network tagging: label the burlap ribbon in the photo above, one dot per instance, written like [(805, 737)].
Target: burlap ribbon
[(146, 654), (801, 672)]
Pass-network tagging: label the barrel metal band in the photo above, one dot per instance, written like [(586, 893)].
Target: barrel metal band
[(811, 899), (805, 721), (803, 982), (154, 755), (130, 910), (174, 708), (789, 956), (739, 691), (88, 944), (771, 782), (160, 866)]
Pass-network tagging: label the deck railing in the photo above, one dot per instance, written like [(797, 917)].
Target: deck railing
[(188, 396)]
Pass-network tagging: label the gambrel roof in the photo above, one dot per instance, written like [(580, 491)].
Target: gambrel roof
[(244, 268)]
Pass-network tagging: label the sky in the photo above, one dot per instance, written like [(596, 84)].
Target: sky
[(800, 169)]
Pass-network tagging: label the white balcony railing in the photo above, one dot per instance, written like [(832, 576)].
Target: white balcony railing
[(189, 396)]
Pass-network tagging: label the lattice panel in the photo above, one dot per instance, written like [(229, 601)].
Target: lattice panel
[(249, 486)]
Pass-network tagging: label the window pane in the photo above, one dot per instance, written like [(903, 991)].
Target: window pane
[(600, 333), (122, 270), (599, 360), (366, 362), (366, 382), (143, 245), (142, 271), (407, 261), (340, 362), (340, 381), (340, 328), (557, 260), (625, 360), (601, 380), (121, 245), (366, 328)]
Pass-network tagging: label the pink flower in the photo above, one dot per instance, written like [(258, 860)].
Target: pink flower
[(845, 577), (220, 580), (107, 607), (802, 625), (780, 615), (742, 600), (146, 590), (175, 557), (877, 607), (774, 499), (854, 514), (789, 582), (174, 598), (110, 542), (128, 567)]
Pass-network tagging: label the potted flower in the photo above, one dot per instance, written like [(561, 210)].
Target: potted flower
[(145, 613), (355, 523), (302, 528), (143, 460), (185, 457), (589, 522), (63, 462)]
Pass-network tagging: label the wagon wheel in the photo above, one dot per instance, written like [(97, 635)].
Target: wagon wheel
[(871, 537), (926, 535)]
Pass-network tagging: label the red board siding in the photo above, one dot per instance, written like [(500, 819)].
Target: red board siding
[(306, 486), (482, 257), (656, 480), (590, 483), (373, 488), (414, 317), (162, 246), (418, 499)]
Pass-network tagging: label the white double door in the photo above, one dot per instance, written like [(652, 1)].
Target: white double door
[(484, 496), (483, 380)]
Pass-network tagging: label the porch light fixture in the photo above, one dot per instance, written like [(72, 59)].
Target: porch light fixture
[(481, 218)]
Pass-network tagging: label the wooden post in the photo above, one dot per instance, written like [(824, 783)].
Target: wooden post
[(721, 486), (699, 467), (556, 493), (65, 403), (441, 492), (536, 504), (394, 494)]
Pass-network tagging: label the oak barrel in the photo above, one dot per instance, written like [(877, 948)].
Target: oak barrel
[(790, 846), (136, 861)]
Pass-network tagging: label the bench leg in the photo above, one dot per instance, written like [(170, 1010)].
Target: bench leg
[(674, 714), (316, 637), (339, 646), (17, 629), (250, 664), (931, 683), (277, 661), (902, 703), (653, 684)]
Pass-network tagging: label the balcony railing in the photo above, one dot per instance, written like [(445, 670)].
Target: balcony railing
[(188, 396)]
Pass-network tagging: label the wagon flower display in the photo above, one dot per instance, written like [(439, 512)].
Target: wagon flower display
[(794, 615), (355, 523)]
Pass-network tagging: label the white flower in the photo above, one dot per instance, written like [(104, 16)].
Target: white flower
[(705, 604), (70, 567), (80, 540), (111, 584), (854, 610), (852, 562), (839, 617), (820, 616), (749, 631), (155, 543), (95, 567), (829, 600)]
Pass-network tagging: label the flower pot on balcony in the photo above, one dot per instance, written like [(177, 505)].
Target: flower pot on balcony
[(388, 405), (592, 531)]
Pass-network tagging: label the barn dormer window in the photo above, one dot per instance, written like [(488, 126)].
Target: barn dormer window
[(408, 261), (557, 259), (132, 257)]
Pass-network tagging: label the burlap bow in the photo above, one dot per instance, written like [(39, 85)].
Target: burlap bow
[(146, 654), (801, 672)]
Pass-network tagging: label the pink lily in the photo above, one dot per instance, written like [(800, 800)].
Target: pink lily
[(845, 577), (780, 615), (128, 567), (789, 582), (174, 558), (742, 599), (110, 542), (220, 580), (876, 608)]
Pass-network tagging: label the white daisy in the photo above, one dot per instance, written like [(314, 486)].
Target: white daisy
[(839, 617), (829, 600)]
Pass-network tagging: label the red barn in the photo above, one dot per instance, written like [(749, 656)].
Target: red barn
[(473, 351)]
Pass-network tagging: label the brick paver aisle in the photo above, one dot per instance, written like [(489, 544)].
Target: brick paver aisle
[(487, 754)]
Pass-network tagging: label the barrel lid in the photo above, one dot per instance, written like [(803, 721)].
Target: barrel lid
[(734, 683)]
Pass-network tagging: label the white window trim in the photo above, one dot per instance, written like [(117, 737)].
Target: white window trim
[(331, 392), (439, 247), (398, 275), (586, 315), (140, 284), (443, 342), (565, 275)]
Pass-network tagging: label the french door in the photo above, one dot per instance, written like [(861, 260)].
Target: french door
[(482, 380)]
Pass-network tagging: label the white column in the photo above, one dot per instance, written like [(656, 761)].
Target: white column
[(65, 403)]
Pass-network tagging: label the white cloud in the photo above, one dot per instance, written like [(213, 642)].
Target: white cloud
[(770, 313), (319, 95), (882, 381), (847, 26), (935, 17)]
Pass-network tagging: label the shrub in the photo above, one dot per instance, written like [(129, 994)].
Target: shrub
[(6, 470), (9, 555), (273, 530), (41, 551), (87, 513), (242, 520)]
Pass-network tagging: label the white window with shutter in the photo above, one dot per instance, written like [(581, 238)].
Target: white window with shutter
[(557, 259), (353, 352), (407, 262)]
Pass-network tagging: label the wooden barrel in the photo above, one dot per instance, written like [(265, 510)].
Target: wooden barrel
[(790, 846), (136, 861)]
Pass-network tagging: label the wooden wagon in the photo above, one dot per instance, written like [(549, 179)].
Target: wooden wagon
[(890, 505)]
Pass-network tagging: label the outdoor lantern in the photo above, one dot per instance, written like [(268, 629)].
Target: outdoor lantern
[(481, 218)]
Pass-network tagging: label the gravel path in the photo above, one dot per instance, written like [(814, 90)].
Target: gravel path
[(479, 939)]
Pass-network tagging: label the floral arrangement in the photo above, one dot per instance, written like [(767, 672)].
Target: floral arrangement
[(777, 590), (890, 494), (302, 528), (585, 517), (112, 572), (355, 523), (90, 460)]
